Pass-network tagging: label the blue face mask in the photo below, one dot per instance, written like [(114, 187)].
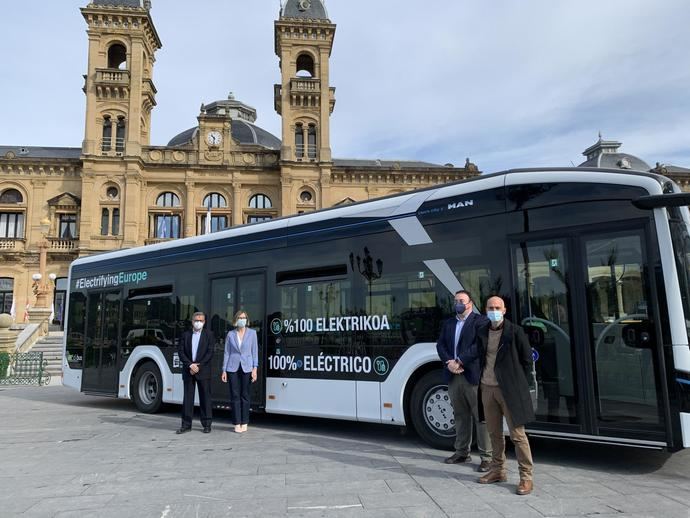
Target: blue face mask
[(460, 308), (495, 315)]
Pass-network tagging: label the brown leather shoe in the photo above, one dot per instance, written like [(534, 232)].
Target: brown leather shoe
[(524, 487), (457, 458), (484, 466), (492, 477)]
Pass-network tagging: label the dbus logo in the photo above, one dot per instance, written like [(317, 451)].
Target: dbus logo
[(460, 204)]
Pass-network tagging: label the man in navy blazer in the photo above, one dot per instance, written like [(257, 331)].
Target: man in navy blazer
[(196, 352), (457, 348)]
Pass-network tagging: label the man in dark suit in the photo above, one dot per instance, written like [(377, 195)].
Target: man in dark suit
[(196, 352), (457, 349)]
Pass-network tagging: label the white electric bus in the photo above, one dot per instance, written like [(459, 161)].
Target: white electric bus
[(348, 303)]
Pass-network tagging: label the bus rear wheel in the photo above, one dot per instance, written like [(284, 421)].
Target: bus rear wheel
[(431, 412), (147, 388)]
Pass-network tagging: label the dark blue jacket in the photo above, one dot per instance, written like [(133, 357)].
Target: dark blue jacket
[(467, 350)]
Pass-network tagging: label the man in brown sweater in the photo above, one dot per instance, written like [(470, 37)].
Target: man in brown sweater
[(506, 362)]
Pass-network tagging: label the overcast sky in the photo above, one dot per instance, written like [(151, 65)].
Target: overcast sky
[(507, 83)]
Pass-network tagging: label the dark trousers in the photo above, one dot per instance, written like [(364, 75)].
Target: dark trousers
[(239, 396), (204, 385)]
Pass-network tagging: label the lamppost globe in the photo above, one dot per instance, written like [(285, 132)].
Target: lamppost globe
[(52, 277), (37, 277)]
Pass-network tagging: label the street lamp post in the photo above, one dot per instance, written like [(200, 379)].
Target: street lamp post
[(365, 266), (42, 285)]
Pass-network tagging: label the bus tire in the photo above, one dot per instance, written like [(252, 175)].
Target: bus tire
[(147, 388), (431, 412)]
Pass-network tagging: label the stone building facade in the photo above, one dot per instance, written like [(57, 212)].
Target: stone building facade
[(119, 191)]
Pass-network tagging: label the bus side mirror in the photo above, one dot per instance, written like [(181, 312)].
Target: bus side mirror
[(535, 335), (638, 335)]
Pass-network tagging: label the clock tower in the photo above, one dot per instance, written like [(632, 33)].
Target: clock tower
[(119, 89), (304, 98)]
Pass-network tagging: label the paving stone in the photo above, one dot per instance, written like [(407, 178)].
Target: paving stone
[(66, 454)]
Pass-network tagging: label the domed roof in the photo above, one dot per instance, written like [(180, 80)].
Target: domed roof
[(604, 153), (244, 132), (242, 125), (305, 9)]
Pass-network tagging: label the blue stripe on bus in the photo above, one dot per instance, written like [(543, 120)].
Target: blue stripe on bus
[(684, 382)]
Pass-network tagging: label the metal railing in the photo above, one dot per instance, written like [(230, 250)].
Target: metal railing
[(23, 369), (107, 145)]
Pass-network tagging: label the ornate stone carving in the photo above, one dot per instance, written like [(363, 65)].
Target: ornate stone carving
[(213, 156)]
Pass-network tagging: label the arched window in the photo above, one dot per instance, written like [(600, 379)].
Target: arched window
[(305, 66), (11, 196), (299, 140), (260, 201), (116, 222), (168, 199), (215, 201), (120, 135), (311, 142), (106, 143), (105, 221), (117, 56)]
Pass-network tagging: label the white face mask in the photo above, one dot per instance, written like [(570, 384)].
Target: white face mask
[(241, 322), (198, 326)]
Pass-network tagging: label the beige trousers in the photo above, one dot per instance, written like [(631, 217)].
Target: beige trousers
[(495, 409)]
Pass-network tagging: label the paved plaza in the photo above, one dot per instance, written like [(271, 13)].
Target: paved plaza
[(66, 454)]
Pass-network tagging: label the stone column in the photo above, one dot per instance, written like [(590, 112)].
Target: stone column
[(190, 210), (236, 203)]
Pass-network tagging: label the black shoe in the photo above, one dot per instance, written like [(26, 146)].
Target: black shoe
[(207, 429), (184, 429), (484, 466), (457, 458)]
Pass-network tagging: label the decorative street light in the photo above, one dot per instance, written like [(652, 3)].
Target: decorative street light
[(365, 266), (41, 288)]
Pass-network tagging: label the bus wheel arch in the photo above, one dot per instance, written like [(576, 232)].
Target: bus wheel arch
[(433, 424), (146, 386)]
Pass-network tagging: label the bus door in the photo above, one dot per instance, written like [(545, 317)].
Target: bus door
[(101, 345), (585, 300), (229, 294)]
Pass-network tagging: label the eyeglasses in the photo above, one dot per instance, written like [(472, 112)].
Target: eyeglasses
[(195, 321)]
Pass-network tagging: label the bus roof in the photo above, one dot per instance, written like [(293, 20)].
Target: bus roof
[(396, 205)]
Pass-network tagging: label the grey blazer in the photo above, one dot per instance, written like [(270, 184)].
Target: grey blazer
[(245, 355)]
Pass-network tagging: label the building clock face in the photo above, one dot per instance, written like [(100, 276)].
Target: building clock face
[(214, 138)]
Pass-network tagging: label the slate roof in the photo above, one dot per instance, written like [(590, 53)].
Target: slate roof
[(40, 152), (315, 10), (242, 131), (118, 3), (404, 164)]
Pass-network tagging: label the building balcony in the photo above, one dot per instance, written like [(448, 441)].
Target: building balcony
[(11, 245), (112, 76), (305, 92), (62, 245), (305, 85), (112, 83)]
